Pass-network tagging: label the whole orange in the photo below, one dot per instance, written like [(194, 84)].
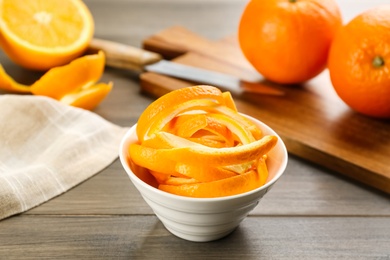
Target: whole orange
[(287, 41), (359, 63)]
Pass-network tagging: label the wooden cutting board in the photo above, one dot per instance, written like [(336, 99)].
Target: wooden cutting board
[(312, 121)]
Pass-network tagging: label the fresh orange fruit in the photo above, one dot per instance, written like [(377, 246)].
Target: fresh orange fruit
[(359, 63), (41, 34), (195, 143), (287, 41)]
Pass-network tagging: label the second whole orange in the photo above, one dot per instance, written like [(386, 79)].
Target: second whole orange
[(287, 41), (359, 63)]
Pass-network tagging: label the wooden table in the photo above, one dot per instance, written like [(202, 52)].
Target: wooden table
[(310, 213)]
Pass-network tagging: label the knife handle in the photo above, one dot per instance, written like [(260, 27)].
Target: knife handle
[(124, 56)]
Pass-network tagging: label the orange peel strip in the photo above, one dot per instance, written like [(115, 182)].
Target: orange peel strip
[(225, 187), (80, 73), (229, 102), (256, 132), (175, 98), (164, 140), (244, 135), (262, 170), (200, 154), (204, 174), (210, 141), (177, 179), (9, 84), (168, 114), (223, 156), (188, 125), (149, 158), (87, 98)]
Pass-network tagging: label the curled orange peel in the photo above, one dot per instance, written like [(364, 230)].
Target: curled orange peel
[(175, 98), (203, 155), (195, 143), (9, 84), (72, 84), (224, 187)]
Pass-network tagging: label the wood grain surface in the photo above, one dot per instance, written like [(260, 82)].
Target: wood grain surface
[(311, 213)]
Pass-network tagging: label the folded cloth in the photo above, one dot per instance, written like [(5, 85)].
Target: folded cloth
[(46, 148)]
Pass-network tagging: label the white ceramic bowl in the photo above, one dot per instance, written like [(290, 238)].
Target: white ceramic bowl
[(203, 219)]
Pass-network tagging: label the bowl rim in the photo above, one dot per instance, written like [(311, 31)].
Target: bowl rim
[(123, 156)]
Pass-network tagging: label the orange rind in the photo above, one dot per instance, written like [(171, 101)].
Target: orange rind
[(195, 144), (72, 84), (42, 34)]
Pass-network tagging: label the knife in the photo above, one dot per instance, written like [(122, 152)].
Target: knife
[(124, 56)]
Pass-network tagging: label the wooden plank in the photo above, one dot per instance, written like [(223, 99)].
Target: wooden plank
[(315, 124), (144, 237)]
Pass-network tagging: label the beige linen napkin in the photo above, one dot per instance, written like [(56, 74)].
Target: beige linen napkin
[(46, 148)]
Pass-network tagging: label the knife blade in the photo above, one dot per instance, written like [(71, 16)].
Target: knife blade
[(124, 56)]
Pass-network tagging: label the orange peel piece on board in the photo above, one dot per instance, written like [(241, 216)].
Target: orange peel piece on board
[(195, 143)]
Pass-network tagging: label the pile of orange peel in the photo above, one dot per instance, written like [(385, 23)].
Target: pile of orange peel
[(73, 84), (194, 143)]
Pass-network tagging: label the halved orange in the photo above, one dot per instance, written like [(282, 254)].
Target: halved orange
[(41, 34)]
